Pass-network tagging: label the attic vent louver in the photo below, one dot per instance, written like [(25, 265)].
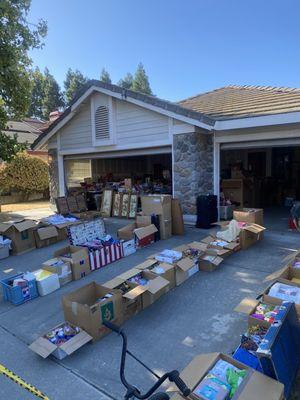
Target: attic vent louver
[(102, 123)]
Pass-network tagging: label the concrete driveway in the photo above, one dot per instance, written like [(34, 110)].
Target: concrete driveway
[(196, 317)]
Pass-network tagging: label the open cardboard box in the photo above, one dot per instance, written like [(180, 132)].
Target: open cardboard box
[(83, 308), (132, 299), (210, 261), (60, 267), (78, 257), (250, 215), (167, 271), (215, 243), (266, 297), (20, 232), (156, 287), (287, 273), (248, 306), (43, 347), (184, 269), (250, 234), (255, 386), (143, 235), (45, 235)]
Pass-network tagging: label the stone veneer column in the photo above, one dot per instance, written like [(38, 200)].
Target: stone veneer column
[(53, 173), (193, 168)]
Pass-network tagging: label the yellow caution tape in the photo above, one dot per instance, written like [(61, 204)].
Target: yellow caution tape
[(15, 378)]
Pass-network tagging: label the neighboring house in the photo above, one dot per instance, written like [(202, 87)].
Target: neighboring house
[(27, 131), (110, 128)]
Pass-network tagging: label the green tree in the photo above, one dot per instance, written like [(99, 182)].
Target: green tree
[(127, 81), (17, 37), (141, 82), (9, 147), (53, 98), (73, 82), (37, 95), (105, 77)]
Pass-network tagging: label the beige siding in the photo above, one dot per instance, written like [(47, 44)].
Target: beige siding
[(77, 133), (136, 124)]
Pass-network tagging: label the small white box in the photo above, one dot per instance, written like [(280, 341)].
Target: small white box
[(129, 247), (47, 282)]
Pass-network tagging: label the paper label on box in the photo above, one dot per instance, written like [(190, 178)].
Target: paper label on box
[(107, 312)]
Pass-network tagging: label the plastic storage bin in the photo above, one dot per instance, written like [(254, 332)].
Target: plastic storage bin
[(16, 294)]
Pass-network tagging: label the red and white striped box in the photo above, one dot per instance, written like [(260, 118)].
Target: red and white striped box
[(103, 255)]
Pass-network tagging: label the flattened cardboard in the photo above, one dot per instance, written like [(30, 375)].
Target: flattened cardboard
[(208, 239), (185, 264), (246, 306), (146, 264), (136, 292), (181, 248), (177, 218), (201, 246)]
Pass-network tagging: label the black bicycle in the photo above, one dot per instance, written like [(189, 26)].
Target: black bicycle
[(132, 391)]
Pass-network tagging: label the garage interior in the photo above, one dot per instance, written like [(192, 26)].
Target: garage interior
[(150, 173), (266, 177)]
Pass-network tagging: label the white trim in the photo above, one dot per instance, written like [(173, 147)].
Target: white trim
[(61, 176), (258, 136), (179, 129), (157, 143), (265, 120), (216, 178), (173, 173), (170, 128), (58, 141), (120, 97), (119, 154), (260, 144)]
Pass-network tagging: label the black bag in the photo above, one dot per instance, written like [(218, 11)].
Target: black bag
[(207, 211)]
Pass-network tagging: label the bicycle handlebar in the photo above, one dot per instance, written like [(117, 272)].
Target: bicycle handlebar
[(174, 377)]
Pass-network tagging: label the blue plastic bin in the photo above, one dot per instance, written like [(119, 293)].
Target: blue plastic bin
[(18, 295)]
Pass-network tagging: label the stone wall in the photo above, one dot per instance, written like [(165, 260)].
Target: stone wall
[(193, 168), (53, 172)]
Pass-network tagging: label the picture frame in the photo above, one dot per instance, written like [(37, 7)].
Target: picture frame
[(125, 205), (133, 206), (117, 204), (106, 204)]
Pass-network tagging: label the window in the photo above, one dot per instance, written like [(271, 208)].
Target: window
[(102, 123)]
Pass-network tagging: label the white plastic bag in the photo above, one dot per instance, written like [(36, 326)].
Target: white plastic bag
[(231, 233)]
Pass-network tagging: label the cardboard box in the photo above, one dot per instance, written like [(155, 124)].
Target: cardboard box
[(255, 386), (83, 308), (219, 244), (45, 236), (177, 218), (184, 269), (248, 306), (250, 234), (209, 262), (249, 215), (79, 259), (167, 271), (60, 267), (128, 247), (287, 273), (160, 205), (143, 235), (132, 299), (156, 287), (21, 233), (266, 297), (43, 347)]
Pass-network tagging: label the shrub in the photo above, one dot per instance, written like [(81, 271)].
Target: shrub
[(25, 174)]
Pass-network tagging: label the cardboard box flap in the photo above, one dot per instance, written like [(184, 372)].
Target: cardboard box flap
[(246, 305), (113, 283), (136, 292), (208, 239), (198, 246), (157, 284), (212, 258), (217, 252), (254, 228), (47, 232), (141, 233), (276, 274), (129, 274), (26, 224), (260, 386), (231, 245), (181, 248), (196, 370), (291, 256), (76, 342), (146, 264), (42, 347), (185, 264)]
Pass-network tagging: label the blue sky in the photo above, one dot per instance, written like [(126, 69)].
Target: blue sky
[(187, 47)]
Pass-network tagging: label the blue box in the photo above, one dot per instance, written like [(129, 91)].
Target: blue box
[(18, 295)]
